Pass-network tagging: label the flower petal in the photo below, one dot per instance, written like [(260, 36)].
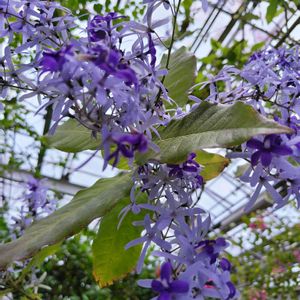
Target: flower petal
[(255, 158), (166, 271), (164, 296), (225, 264), (282, 150), (266, 158), (157, 286), (146, 283), (232, 290), (255, 144), (179, 286)]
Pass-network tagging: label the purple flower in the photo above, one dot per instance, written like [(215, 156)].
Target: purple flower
[(232, 290), (271, 86), (190, 168), (271, 145), (225, 264), (152, 50), (172, 211), (36, 194), (152, 234), (100, 26), (35, 204), (180, 178), (204, 5), (207, 282), (53, 61), (112, 62), (212, 249), (165, 285), (97, 78), (127, 145)]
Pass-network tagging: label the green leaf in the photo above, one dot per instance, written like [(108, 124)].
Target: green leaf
[(98, 8), (72, 137), (187, 4), (272, 10), (210, 126), (110, 259), (87, 205), (213, 164), (72, 5), (215, 45), (181, 76), (257, 46), (123, 164), (76, 6)]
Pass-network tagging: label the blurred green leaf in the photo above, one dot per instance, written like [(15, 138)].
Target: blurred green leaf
[(78, 7), (181, 76), (72, 137), (215, 44), (257, 46), (98, 8), (249, 16), (272, 10)]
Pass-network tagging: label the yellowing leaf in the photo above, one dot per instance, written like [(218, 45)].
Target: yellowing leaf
[(213, 164), (110, 259)]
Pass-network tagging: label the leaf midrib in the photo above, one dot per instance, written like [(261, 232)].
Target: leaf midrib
[(221, 130)]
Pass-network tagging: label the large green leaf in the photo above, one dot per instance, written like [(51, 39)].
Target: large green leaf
[(86, 205), (72, 137), (181, 75), (110, 259), (210, 126), (213, 164)]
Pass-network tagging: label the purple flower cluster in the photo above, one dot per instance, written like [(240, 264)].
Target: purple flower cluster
[(107, 79), (192, 268), (182, 179), (35, 22), (165, 285), (170, 288), (269, 82), (35, 204)]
